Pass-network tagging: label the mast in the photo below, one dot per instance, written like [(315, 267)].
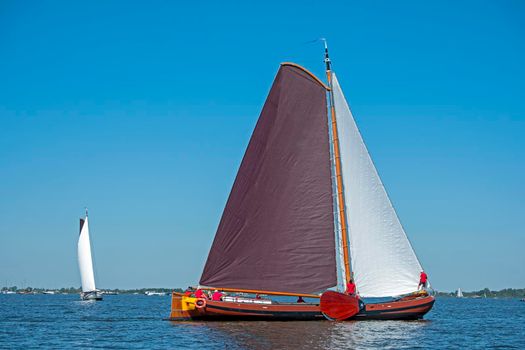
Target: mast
[(337, 160)]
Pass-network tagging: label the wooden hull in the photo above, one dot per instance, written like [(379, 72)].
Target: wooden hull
[(184, 308)]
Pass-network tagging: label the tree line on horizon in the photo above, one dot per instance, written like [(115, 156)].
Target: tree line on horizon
[(503, 293), (73, 290)]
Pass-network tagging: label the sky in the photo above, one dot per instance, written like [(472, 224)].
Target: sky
[(142, 111)]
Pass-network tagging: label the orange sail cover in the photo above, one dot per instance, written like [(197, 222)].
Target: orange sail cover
[(277, 229)]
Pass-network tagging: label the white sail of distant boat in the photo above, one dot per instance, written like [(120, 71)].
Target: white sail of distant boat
[(459, 293), (85, 263), (383, 262)]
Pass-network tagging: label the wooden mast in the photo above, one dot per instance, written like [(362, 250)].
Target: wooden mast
[(338, 176)]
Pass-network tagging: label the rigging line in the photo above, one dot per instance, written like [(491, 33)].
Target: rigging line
[(335, 213), (314, 41)]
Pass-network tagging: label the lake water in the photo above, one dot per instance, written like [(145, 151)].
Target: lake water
[(137, 321)]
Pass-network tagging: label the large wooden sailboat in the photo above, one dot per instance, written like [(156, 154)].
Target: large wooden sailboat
[(307, 213)]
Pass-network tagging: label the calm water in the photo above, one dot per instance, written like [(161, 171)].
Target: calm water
[(136, 321)]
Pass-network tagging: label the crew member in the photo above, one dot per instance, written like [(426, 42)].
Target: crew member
[(200, 294), (423, 278), (216, 296), (350, 287), (300, 300)]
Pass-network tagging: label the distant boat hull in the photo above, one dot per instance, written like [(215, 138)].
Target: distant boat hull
[(94, 295), (184, 308)]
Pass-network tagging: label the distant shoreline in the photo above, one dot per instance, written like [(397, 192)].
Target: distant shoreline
[(484, 293), (487, 293), (73, 290)]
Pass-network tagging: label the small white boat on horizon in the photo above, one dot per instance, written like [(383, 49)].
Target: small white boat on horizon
[(459, 293), (106, 292), (151, 293)]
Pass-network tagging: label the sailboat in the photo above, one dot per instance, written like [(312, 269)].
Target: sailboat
[(85, 263), (459, 293), (307, 213)]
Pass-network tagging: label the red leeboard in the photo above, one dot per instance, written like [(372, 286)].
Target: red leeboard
[(339, 306)]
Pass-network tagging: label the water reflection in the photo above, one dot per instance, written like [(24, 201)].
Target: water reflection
[(375, 334), (326, 335)]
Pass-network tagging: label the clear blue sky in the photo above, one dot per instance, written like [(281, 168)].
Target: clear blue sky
[(142, 112)]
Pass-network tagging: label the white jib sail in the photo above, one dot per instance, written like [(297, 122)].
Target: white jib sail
[(85, 262), (382, 259)]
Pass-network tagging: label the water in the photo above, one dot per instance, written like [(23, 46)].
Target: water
[(137, 321)]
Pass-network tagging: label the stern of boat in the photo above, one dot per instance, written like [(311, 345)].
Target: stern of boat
[(183, 307)]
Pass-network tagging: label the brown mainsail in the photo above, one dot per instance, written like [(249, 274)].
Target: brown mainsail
[(277, 231)]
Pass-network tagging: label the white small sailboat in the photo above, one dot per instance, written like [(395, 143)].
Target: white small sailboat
[(85, 263), (459, 293)]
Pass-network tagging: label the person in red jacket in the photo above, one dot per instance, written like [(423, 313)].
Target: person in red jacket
[(200, 294), (350, 287), (216, 296), (188, 292), (423, 278)]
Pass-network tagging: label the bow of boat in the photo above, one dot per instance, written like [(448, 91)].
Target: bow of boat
[(408, 308)]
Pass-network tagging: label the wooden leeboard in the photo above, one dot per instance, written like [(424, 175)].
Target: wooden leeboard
[(339, 306)]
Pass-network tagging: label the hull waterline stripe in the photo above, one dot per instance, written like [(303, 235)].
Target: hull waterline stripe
[(394, 310), (266, 312)]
